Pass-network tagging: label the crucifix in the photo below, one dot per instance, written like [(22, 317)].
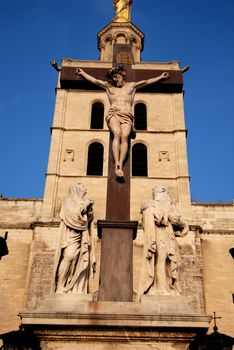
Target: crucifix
[(215, 328), (117, 231), (120, 119)]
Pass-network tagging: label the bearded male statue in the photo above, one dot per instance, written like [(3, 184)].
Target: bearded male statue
[(162, 224)]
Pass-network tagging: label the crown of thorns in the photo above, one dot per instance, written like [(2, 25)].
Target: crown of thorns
[(116, 70)]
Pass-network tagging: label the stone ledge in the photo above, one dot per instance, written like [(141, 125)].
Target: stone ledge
[(214, 204), (158, 321), (103, 337), (60, 310), (217, 232), (28, 225)]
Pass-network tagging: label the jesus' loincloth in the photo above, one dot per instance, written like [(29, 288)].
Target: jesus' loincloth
[(123, 118)]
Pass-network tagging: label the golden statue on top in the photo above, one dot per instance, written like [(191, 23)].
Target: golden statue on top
[(122, 10)]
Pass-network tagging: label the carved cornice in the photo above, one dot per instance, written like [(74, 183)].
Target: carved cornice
[(107, 130), (217, 232), (78, 176), (214, 204), (105, 177), (131, 225), (119, 25), (28, 225), (15, 226), (134, 316), (54, 223), (22, 199)]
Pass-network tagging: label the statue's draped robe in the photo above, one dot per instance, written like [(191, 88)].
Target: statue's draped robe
[(162, 259), (76, 231)]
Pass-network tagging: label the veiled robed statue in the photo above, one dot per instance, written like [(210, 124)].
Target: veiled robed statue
[(76, 262)]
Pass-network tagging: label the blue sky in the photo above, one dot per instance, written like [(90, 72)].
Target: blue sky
[(197, 33)]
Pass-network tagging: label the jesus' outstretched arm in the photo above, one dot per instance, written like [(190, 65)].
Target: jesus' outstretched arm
[(90, 78), (142, 83)]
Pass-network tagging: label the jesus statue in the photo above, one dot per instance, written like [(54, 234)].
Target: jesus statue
[(120, 119)]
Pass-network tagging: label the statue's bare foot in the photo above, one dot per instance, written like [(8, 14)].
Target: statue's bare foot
[(118, 171)]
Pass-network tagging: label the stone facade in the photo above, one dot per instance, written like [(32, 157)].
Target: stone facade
[(26, 274), (71, 132), (32, 246)]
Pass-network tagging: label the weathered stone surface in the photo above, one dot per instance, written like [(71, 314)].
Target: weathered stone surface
[(104, 325), (162, 260), (19, 211), (76, 260), (13, 277)]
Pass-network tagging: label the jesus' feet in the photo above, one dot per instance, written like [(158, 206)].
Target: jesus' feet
[(118, 171)]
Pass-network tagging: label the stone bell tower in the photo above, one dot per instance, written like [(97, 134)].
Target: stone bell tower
[(159, 119), (121, 33), (113, 313)]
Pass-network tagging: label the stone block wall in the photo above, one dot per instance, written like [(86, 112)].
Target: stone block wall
[(214, 216), (19, 211), (16, 218), (219, 278), (217, 238), (13, 277), (26, 274)]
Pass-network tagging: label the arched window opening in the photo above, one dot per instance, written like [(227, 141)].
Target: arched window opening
[(231, 251), (140, 115), (139, 160), (95, 159), (97, 115)]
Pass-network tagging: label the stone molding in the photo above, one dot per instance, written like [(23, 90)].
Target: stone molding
[(76, 319), (107, 130), (29, 225), (131, 177), (57, 310), (21, 199), (214, 204), (117, 224), (32, 225), (218, 232), (120, 25)]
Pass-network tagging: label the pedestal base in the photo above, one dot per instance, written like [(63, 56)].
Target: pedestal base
[(107, 325), (169, 304), (116, 270)]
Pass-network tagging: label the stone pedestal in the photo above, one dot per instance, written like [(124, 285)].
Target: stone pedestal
[(105, 325), (116, 270)]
